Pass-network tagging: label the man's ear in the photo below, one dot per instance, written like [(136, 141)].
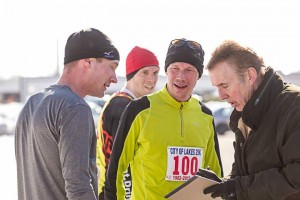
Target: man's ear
[(86, 62), (251, 75)]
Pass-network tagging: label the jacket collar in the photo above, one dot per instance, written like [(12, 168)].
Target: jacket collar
[(124, 89), (170, 100)]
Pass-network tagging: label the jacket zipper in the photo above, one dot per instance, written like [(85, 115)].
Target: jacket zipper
[(181, 120), (243, 156)]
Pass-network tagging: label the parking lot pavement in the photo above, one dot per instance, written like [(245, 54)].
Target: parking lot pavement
[(227, 151), (8, 174)]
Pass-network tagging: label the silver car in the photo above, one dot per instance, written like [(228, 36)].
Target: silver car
[(221, 112), (3, 126)]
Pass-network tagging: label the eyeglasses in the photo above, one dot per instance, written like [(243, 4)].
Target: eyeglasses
[(190, 43)]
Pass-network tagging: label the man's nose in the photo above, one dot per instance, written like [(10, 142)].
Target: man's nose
[(222, 94)]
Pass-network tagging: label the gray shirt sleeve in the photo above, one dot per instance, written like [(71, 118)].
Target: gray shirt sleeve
[(75, 145)]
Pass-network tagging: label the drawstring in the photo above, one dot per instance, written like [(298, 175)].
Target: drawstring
[(258, 98)]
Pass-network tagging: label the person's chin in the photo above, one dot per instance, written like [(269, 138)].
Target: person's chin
[(239, 108), (100, 94)]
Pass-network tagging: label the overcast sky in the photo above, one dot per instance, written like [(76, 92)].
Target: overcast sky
[(31, 29)]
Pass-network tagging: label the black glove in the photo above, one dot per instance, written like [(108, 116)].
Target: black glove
[(225, 190)]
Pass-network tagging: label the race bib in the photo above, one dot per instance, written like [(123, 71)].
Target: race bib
[(183, 162)]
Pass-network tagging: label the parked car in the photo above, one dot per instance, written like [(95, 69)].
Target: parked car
[(221, 112), (221, 117), (9, 114), (96, 105), (3, 126), (96, 110), (99, 101)]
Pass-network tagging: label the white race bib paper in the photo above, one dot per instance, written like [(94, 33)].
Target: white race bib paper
[(183, 162)]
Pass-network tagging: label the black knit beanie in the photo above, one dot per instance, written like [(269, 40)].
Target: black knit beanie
[(186, 54), (89, 43)]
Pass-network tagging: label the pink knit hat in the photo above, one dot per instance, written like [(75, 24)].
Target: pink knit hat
[(138, 58)]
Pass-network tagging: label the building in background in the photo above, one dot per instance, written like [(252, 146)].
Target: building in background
[(18, 89), (14, 93)]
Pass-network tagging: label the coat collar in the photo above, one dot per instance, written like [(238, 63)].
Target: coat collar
[(260, 101), (166, 96)]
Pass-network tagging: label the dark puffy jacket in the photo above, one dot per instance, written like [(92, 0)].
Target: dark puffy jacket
[(267, 164)]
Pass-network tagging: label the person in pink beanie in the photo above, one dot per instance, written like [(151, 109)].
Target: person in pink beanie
[(142, 68)]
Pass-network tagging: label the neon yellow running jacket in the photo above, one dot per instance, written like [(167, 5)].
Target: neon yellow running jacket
[(165, 142)]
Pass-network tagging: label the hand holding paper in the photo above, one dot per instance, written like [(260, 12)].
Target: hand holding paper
[(225, 190), (193, 188)]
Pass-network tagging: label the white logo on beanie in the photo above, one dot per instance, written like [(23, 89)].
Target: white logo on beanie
[(107, 54)]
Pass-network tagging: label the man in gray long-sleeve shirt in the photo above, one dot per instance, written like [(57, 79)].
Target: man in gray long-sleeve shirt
[(55, 139)]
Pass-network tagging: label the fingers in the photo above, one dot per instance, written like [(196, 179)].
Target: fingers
[(211, 189), (215, 195)]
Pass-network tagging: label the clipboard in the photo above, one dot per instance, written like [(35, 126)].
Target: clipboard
[(192, 189)]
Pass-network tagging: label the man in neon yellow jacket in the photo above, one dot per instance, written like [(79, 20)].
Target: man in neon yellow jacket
[(166, 136)]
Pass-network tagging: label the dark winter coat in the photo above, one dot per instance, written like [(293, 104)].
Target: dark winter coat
[(267, 163)]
